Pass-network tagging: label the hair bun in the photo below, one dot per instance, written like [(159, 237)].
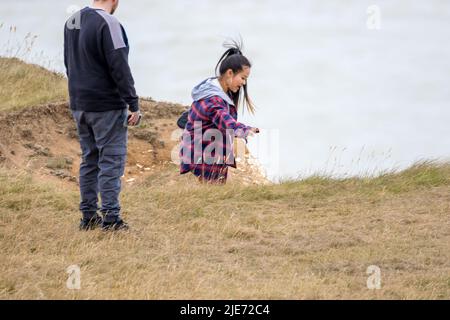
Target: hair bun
[(234, 46), (234, 51)]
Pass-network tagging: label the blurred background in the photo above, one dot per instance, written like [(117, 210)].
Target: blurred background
[(341, 87)]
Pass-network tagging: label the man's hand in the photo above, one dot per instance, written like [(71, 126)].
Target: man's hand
[(134, 118)]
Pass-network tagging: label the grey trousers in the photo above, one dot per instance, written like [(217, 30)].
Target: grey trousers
[(103, 140)]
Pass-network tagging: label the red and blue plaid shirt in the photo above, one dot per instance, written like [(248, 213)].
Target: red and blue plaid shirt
[(210, 113)]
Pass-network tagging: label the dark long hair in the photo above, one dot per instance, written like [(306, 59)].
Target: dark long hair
[(234, 59)]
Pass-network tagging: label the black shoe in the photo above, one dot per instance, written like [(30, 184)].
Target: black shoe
[(117, 225), (90, 224)]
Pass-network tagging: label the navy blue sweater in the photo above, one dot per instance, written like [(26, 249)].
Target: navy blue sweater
[(96, 59)]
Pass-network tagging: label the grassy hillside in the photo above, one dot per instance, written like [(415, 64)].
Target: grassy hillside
[(309, 239), (23, 85)]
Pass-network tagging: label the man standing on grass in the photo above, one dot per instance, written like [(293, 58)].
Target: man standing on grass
[(101, 89)]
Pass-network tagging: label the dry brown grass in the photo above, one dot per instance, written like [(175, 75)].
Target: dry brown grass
[(311, 239)]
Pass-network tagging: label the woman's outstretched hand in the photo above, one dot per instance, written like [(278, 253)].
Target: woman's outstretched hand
[(253, 131)]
